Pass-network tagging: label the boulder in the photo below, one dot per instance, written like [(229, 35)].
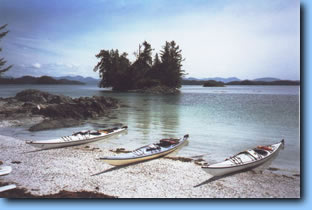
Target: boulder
[(41, 97)]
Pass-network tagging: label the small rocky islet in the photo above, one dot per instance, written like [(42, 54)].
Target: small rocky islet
[(48, 111)]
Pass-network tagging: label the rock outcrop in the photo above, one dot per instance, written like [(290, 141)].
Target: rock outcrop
[(56, 110)]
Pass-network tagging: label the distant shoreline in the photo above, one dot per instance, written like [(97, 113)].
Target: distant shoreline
[(243, 82), (43, 80), (78, 80)]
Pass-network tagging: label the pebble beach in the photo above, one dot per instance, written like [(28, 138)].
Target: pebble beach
[(77, 172)]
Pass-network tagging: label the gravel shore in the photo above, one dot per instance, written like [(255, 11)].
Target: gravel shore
[(71, 170)]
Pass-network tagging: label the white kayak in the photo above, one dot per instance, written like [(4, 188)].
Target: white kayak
[(245, 160), (148, 152), (81, 137), (7, 187), (4, 170)]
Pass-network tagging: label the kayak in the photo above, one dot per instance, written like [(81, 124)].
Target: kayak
[(245, 160), (148, 152), (81, 137), (4, 170), (7, 187)]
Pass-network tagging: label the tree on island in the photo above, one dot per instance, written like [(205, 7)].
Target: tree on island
[(171, 63), (2, 61), (118, 72), (114, 69), (141, 67)]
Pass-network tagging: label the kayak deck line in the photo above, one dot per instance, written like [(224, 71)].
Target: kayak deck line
[(147, 152), (81, 137), (245, 160)]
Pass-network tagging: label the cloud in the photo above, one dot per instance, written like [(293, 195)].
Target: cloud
[(36, 65), (238, 40), (33, 46)]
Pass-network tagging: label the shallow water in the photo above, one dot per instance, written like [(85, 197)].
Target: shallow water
[(220, 121)]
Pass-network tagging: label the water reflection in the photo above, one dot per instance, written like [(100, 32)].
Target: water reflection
[(152, 115), (149, 117), (169, 115)]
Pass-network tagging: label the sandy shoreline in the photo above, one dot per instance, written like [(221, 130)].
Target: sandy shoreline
[(69, 169)]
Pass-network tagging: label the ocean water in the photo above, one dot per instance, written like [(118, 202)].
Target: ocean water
[(220, 121)]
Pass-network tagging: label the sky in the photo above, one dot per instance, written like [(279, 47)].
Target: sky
[(218, 38)]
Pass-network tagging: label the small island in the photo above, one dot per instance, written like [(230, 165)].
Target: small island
[(161, 74), (213, 83)]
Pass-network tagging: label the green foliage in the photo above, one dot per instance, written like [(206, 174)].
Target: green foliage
[(114, 70), (118, 72), (171, 63), (2, 61), (142, 66)]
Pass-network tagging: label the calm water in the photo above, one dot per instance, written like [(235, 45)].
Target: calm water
[(220, 121)]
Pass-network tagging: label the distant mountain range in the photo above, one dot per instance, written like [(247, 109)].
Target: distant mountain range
[(266, 79), (43, 80), (237, 81), (91, 80), (231, 79), (254, 82), (220, 79), (75, 79), (87, 80)]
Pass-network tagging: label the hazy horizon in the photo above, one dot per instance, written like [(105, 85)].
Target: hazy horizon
[(218, 38), (185, 77)]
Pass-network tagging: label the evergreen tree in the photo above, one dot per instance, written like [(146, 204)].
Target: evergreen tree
[(2, 61), (113, 70), (155, 71), (142, 66), (170, 71)]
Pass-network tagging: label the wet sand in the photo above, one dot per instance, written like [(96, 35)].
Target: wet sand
[(69, 172)]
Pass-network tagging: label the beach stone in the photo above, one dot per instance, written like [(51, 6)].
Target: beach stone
[(77, 169), (29, 104), (53, 124)]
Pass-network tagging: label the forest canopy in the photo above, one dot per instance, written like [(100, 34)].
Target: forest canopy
[(164, 69)]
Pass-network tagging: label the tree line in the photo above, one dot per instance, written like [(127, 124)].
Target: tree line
[(164, 69)]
